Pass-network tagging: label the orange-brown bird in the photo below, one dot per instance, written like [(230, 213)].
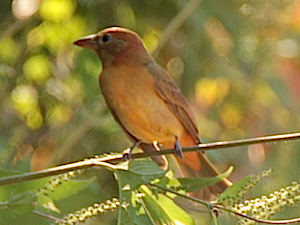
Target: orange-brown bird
[(146, 102)]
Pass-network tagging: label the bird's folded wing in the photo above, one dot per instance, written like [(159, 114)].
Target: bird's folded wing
[(167, 89)]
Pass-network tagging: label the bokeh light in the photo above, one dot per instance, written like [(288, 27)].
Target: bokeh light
[(24, 9)]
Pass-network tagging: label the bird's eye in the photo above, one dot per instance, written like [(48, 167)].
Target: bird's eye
[(106, 38)]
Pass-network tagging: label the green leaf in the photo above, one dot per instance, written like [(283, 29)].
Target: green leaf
[(148, 169), (22, 203), (145, 167), (126, 180), (196, 184), (69, 188), (133, 213), (233, 190), (148, 208), (139, 172), (163, 209), (47, 203), (129, 181), (130, 208), (130, 176)]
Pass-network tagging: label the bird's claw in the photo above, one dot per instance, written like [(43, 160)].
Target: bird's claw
[(178, 149), (127, 154)]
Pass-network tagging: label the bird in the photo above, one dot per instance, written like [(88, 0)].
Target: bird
[(147, 103)]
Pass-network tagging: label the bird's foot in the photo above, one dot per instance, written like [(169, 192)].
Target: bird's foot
[(178, 149), (127, 152)]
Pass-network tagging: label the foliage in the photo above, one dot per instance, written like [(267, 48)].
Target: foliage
[(237, 61), (148, 195)]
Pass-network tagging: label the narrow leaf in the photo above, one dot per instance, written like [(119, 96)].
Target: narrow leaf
[(196, 184)]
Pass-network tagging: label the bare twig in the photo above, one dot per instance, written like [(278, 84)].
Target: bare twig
[(104, 161), (49, 216), (175, 24)]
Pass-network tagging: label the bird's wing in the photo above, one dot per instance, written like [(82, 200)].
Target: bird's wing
[(171, 94), (167, 89)]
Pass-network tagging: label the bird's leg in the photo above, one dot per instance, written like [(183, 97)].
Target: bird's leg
[(177, 148), (127, 152)]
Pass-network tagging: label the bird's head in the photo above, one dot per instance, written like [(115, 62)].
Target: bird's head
[(116, 45)]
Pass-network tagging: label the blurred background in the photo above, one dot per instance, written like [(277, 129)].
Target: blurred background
[(236, 61)]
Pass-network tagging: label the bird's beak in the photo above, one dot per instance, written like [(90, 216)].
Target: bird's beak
[(89, 42)]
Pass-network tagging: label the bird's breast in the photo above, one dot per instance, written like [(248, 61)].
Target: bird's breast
[(130, 92)]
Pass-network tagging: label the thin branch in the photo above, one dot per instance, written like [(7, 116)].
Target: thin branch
[(50, 217), (289, 221), (104, 161), (57, 170), (175, 24), (226, 144), (212, 206)]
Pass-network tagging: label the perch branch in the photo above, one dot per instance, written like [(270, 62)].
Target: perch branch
[(104, 161)]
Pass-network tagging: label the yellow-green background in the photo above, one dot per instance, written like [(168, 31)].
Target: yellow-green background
[(236, 61)]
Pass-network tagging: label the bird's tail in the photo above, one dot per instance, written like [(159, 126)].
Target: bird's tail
[(194, 164), (197, 164)]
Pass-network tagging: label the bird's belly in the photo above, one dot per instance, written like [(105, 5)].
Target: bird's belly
[(140, 110), (150, 120)]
